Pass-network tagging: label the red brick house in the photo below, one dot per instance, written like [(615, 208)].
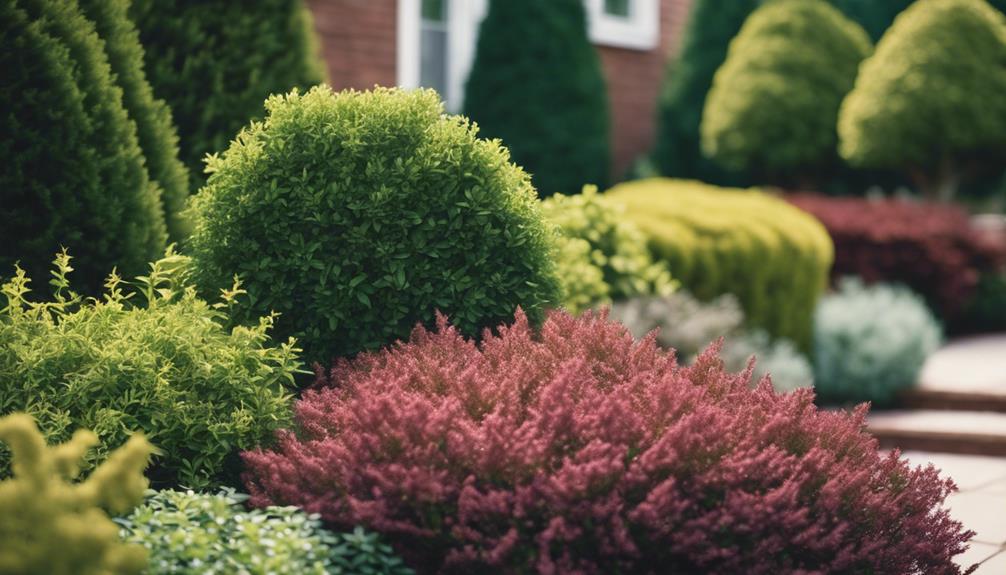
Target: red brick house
[(431, 43)]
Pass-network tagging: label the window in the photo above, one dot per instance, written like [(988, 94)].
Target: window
[(434, 47), (633, 24)]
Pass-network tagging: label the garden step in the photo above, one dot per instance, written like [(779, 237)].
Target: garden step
[(969, 432), (949, 400)]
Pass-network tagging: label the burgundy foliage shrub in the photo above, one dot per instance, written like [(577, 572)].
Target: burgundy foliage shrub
[(580, 450), (931, 248)]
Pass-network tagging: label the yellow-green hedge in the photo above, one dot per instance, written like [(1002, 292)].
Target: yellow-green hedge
[(774, 257)]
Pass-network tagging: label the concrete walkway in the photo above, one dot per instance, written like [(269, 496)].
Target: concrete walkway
[(972, 365)]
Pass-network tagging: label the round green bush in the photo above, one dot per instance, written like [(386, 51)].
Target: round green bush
[(871, 342), (615, 247), (774, 103), (536, 83), (154, 359), (356, 215), (930, 99), (72, 172), (215, 61), (188, 533)]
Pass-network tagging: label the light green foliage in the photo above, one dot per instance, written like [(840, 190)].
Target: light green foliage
[(774, 103), (215, 61), (616, 248), (930, 99), (51, 524), (154, 130), (356, 215), (72, 173), (774, 257), (155, 359), (536, 83), (187, 533), (689, 326), (871, 342)]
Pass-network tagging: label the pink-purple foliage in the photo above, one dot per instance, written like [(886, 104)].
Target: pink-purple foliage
[(580, 450)]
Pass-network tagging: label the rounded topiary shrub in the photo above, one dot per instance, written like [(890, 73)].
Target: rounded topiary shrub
[(774, 103), (221, 536), (358, 214), (578, 449), (155, 359), (72, 172), (871, 342)]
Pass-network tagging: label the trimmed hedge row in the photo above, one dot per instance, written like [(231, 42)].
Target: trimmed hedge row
[(773, 257)]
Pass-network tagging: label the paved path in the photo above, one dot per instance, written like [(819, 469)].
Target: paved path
[(976, 365)]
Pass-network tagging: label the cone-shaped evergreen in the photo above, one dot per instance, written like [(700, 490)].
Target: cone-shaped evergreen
[(536, 84), (154, 129), (72, 172), (215, 62), (774, 103), (930, 99)]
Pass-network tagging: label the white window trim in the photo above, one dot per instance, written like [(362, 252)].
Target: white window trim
[(640, 31), (463, 20)]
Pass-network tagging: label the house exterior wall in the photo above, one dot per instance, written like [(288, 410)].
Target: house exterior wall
[(358, 40)]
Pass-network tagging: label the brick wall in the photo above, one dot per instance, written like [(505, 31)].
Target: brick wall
[(357, 40)]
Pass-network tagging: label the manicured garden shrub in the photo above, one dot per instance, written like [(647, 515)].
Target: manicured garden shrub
[(744, 242), (871, 342), (190, 533), (580, 449), (357, 214), (689, 326), (536, 84), (929, 99), (986, 310), (930, 248), (154, 130), (52, 525), (72, 172), (616, 248), (774, 103), (154, 359), (583, 284), (215, 61)]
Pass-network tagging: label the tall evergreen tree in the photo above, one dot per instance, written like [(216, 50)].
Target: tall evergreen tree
[(154, 130), (72, 173), (536, 84)]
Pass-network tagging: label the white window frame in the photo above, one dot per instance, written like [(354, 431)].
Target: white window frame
[(639, 31), (463, 20)]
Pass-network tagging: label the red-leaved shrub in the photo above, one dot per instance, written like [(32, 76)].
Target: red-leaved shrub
[(580, 450), (931, 248)]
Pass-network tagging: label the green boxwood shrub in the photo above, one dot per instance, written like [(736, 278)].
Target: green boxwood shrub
[(929, 100), (871, 342), (536, 83), (774, 103), (154, 130), (615, 247), (215, 61), (772, 256), (358, 214), (154, 359), (190, 533), (72, 172)]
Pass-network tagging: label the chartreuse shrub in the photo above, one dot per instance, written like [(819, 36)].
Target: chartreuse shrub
[(773, 257), (689, 326), (72, 172), (154, 358), (215, 61), (614, 457), (154, 130), (190, 533), (536, 83), (930, 98), (356, 215), (774, 103), (51, 524), (871, 342), (616, 248)]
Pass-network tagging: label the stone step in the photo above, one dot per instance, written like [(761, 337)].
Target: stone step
[(945, 431), (951, 400)]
